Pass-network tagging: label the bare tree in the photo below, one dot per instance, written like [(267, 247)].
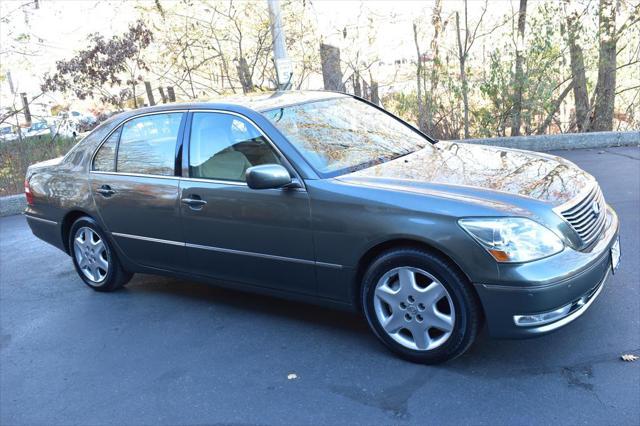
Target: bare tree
[(422, 118), (605, 93), (436, 21), (463, 54), (98, 68), (519, 74), (580, 94)]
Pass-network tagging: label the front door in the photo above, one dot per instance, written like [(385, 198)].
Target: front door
[(232, 232), (136, 191)]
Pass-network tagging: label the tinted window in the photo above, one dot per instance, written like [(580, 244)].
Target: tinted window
[(224, 146), (105, 159), (342, 134), (148, 144)]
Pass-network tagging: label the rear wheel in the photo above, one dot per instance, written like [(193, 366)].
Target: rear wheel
[(93, 257), (420, 306)]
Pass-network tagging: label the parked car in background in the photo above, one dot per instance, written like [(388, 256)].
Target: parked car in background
[(325, 197), (87, 123), (38, 129), (7, 133)]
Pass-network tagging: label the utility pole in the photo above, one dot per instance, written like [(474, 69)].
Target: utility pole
[(284, 68)]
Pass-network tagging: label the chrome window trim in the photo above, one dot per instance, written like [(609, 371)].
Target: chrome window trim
[(230, 251), (95, 151), (216, 181), (234, 183), (39, 219), (187, 178), (95, 172)]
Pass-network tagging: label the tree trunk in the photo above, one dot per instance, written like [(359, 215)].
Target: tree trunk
[(375, 96), (25, 109), (419, 78), (606, 86), (366, 90), (135, 97), (147, 87), (556, 106), (171, 94), (519, 76), (462, 58), (356, 85), (436, 21), (162, 95), (331, 72), (580, 94), (245, 76)]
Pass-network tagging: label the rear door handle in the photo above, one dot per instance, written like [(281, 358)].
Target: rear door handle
[(105, 191), (194, 203)]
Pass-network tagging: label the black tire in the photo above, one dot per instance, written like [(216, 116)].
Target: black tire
[(468, 311), (116, 276)]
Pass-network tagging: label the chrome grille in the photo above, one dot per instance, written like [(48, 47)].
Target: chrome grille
[(587, 217)]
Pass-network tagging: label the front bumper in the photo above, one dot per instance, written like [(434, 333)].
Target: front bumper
[(579, 280)]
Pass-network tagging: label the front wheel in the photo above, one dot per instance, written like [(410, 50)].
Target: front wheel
[(420, 306), (93, 257)]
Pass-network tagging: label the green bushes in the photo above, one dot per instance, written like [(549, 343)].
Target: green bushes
[(16, 156)]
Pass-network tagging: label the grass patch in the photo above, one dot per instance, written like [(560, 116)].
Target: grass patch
[(16, 156)]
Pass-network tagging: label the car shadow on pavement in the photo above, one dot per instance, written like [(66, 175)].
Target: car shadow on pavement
[(241, 302)]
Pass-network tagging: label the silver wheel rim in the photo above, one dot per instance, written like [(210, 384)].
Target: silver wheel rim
[(414, 308), (91, 255)]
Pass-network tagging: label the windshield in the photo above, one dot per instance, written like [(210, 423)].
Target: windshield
[(344, 134)]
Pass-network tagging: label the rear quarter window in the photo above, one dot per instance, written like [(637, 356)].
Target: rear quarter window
[(105, 159)]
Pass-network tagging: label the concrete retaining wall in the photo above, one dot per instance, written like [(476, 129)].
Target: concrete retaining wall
[(564, 141), (15, 204)]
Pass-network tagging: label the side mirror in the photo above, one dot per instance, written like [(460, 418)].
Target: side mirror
[(269, 176)]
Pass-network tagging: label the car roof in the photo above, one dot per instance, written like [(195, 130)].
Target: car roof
[(258, 102), (267, 101)]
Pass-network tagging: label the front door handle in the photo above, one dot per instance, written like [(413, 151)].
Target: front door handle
[(105, 191), (194, 202)]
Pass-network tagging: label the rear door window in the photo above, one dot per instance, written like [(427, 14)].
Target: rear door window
[(148, 144)]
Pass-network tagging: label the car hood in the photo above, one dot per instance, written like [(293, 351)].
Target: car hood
[(445, 165)]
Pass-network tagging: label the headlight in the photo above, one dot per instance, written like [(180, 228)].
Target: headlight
[(513, 239)]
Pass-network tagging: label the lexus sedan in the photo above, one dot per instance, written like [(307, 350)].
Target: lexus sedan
[(324, 197)]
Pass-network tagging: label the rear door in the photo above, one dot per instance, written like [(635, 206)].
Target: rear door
[(232, 232), (135, 187)]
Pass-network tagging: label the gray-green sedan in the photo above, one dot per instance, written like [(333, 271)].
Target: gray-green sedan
[(324, 197)]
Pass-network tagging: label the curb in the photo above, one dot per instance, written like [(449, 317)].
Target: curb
[(12, 204)]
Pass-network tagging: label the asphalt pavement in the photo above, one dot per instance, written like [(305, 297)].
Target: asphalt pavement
[(166, 351)]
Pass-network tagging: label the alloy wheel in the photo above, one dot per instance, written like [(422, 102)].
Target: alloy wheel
[(91, 254), (414, 308)]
